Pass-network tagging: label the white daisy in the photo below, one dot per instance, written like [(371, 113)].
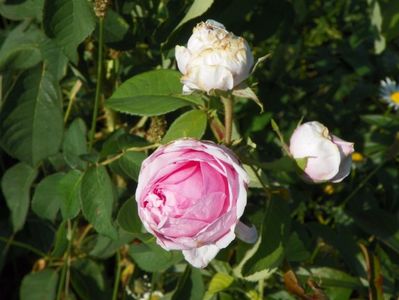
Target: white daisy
[(389, 92)]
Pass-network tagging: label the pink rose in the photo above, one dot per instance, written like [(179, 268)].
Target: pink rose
[(328, 157), (190, 195)]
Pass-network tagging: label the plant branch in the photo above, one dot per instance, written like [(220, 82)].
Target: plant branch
[(132, 149), (64, 280), (10, 241), (228, 118), (72, 96), (99, 81)]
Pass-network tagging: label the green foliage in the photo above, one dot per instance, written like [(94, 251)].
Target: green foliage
[(97, 198), (39, 286), (69, 223), (47, 199), (68, 23), (190, 124), (15, 186), (31, 113), (150, 94)]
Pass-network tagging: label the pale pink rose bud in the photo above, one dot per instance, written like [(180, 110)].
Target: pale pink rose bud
[(328, 157), (190, 196), (214, 59)]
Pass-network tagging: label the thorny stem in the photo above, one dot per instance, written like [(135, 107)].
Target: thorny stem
[(99, 80), (228, 118)]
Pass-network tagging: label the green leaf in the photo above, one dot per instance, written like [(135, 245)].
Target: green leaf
[(55, 60), (152, 258), (20, 50), (197, 9), (390, 19), (68, 23), (104, 247), (219, 282), (190, 285), (386, 229), (128, 217), (39, 285), (87, 278), (273, 239), (15, 185), (22, 10), (75, 144), (190, 124), (61, 241), (150, 94), (128, 165), (120, 140), (296, 250), (97, 200), (330, 277), (244, 91), (69, 188), (285, 163), (31, 124), (382, 121), (46, 200), (376, 19), (117, 33)]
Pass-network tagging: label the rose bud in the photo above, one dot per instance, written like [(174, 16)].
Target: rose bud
[(328, 158), (190, 196), (214, 59)]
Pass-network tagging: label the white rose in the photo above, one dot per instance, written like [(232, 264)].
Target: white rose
[(214, 59), (328, 157)]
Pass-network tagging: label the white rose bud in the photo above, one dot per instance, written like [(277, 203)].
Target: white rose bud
[(328, 157), (214, 59)]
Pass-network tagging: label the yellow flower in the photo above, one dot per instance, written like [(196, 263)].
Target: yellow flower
[(357, 157)]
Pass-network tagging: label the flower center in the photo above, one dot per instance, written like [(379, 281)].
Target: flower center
[(155, 200), (395, 97)]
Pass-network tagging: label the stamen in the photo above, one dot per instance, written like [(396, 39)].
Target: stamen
[(395, 97)]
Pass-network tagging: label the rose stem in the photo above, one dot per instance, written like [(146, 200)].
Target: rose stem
[(228, 118), (99, 80)]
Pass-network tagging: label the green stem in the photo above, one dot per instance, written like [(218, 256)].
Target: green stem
[(23, 245), (228, 118), (117, 276), (99, 81), (65, 268), (261, 285), (72, 97), (264, 186)]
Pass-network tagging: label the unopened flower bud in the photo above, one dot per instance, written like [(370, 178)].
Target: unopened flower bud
[(328, 158), (215, 59)]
